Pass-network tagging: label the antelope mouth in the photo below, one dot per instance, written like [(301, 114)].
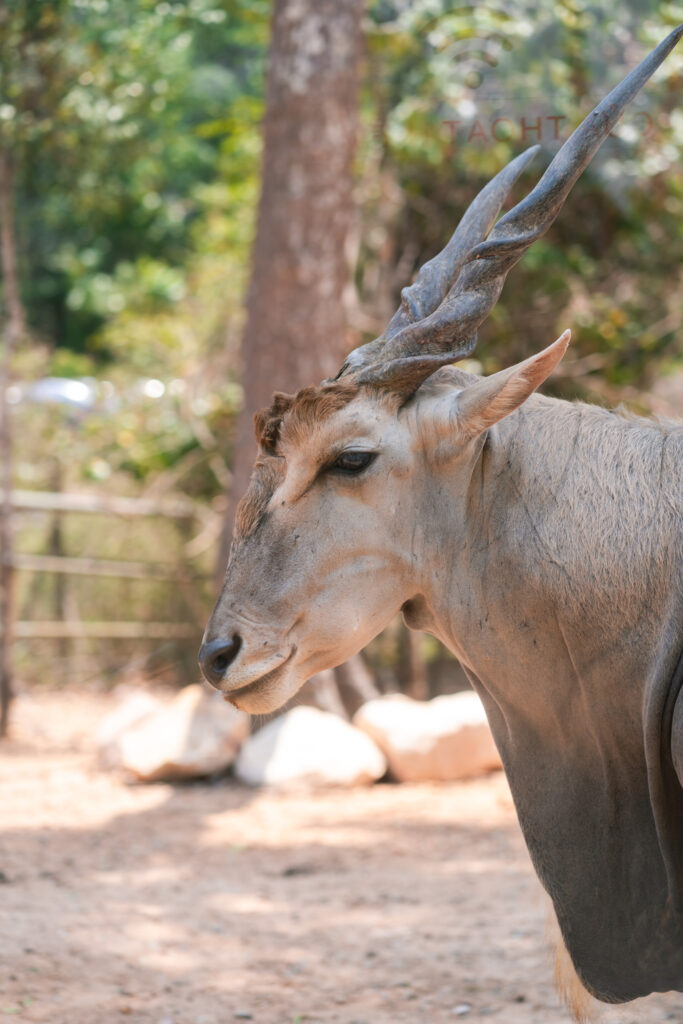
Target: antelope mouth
[(261, 686)]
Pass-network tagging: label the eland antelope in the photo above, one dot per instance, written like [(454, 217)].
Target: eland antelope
[(540, 540)]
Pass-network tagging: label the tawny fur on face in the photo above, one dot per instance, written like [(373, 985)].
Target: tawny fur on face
[(332, 538), (310, 535)]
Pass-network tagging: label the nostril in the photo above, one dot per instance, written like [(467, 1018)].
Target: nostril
[(216, 657), (226, 655)]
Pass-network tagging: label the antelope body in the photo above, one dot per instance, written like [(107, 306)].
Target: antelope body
[(541, 541)]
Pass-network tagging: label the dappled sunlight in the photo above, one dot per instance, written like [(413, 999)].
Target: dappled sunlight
[(144, 878), (483, 802), (158, 943), (245, 903), (391, 904)]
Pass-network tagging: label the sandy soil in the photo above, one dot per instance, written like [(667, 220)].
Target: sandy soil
[(211, 903)]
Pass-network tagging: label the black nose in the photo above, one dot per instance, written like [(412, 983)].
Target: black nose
[(216, 657)]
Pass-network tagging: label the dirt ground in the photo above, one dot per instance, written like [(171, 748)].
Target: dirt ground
[(211, 903)]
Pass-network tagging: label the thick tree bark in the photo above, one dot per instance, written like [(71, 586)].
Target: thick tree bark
[(295, 331)]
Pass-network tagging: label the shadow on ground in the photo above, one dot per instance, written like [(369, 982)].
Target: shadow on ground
[(208, 903)]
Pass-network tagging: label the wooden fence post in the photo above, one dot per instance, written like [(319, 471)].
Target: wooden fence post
[(6, 566), (14, 329)]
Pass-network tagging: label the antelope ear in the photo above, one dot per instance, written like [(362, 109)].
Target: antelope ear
[(480, 405)]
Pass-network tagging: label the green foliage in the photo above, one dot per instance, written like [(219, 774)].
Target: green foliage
[(119, 112), (134, 127), (456, 90)]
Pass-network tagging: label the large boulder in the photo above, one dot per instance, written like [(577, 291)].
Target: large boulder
[(194, 734), (133, 705), (442, 739), (309, 747)]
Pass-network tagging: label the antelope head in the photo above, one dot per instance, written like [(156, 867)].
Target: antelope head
[(330, 537)]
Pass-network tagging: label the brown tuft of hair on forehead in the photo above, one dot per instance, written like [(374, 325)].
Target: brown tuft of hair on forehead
[(298, 414), (267, 421)]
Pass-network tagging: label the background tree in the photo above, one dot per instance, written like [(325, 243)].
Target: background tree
[(134, 130), (296, 323)]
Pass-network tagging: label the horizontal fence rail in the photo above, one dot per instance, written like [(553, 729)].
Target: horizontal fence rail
[(58, 502), (49, 501), (103, 567), (60, 630)]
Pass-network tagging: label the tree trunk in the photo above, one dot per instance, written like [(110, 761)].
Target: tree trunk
[(13, 330), (295, 332)]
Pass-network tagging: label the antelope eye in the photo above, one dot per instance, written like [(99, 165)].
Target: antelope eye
[(353, 462)]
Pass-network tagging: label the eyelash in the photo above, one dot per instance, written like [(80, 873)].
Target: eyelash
[(365, 458)]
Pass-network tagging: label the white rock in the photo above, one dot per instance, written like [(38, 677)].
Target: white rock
[(309, 747), (442, 739), (134, 705), (194, 734)]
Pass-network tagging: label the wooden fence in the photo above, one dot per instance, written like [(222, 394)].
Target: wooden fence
[(208, 522)]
